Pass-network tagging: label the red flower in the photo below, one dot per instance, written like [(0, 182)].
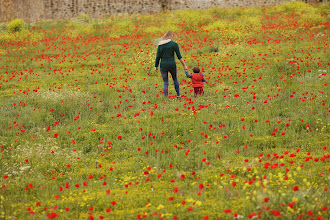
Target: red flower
[(251, 215), (175, 190), (227, 210), (113, 203), (296, 188), (52, 215), (277, 213), (56, 135), (291, 204), (310, 213)]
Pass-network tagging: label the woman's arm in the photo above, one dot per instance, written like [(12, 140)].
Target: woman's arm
[(183, 64), (157, 59), (178, 54)]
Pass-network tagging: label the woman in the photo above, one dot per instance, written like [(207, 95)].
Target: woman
[(165, 54)]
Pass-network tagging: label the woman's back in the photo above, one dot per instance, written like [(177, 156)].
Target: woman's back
[(165, 52)]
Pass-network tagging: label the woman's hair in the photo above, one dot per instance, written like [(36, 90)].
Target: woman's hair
[(196, 69), (168, 35)]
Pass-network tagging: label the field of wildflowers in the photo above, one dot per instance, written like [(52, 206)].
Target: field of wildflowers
[(85, 132)]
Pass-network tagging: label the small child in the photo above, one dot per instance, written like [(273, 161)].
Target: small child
[(197, 81)]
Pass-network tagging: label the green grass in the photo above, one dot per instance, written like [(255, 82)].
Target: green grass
[(83, 118)]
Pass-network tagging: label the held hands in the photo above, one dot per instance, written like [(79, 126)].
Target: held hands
[(156, 69)]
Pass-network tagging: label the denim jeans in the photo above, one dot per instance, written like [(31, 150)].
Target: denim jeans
[(164, 72)]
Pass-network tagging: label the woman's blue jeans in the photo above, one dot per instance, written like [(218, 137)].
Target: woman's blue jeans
[(164, 72)]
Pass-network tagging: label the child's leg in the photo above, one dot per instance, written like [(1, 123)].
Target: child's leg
[(201, 91), (164, 73), (196, 91)]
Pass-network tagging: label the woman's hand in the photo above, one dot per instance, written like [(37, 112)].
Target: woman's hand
[(156, 69), (183, 64)]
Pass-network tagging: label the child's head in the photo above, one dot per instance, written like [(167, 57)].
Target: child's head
[(196, 69)]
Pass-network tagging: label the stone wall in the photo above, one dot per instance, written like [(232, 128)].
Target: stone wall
[(31, 10)]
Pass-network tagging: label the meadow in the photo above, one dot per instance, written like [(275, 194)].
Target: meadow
[(86, 133)]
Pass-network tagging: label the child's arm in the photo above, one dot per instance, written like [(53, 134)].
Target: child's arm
[(204, 80), (187, 74)]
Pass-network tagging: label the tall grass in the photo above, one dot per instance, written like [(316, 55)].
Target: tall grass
[(86, 132)]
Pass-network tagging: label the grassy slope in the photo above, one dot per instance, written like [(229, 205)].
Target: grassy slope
[(80, 98)]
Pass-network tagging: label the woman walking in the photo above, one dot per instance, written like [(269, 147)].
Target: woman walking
[(165, 54)]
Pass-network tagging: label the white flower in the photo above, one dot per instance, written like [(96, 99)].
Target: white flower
[(24, 168)]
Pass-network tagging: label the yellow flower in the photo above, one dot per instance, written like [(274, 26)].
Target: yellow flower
[(160, 207)]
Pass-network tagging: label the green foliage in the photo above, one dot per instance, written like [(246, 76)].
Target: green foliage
[(84, 17), (313, 17), (16, 25), (83, 117), (292, 7), (192, 18)]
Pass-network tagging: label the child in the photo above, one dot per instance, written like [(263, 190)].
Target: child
[(197, 81)]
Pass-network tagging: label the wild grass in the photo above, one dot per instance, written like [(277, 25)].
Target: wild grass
[(85, 131)]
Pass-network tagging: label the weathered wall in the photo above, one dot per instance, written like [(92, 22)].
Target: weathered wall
[(31, 10)]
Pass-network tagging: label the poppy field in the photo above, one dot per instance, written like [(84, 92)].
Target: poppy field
[(86, 133)]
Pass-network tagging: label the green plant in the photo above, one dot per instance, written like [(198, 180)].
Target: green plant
[(16, 25)]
